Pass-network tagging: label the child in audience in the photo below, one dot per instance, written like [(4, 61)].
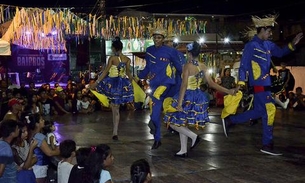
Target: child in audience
[(64, 167), (85, 106), (96, 171), (77, 173), (140, 172), (42, 151), (48, 130)]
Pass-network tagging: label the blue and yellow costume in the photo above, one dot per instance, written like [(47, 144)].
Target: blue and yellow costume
[(195, 104), (116, 86), (178, 80), (256, 62), (159, 70)]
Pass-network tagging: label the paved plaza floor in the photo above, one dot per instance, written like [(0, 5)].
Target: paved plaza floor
[(217, 159)]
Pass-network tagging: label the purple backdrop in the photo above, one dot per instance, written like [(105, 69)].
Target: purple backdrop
[(39, 66)]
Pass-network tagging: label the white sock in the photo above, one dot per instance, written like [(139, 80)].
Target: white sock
[(279, 102), (116, 119), (183, 144), (286, 103), (185, 131)]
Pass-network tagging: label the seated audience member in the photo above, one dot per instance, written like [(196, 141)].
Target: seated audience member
[(33, 104), (47, 87), (23, 90), (8, 168), (56, 85), (70, 90), (15, 109), (140, 172), (24, 155), (96, 171), (47, 104), (51, 93), (32, 88), (3, 104), (17, 94), (59, 101), (67, 152), (292, 100), (299, 104), (77, 173), (67, 102), (85, 105), (48, 130), (94, 101), (42, 151), (76, 103)]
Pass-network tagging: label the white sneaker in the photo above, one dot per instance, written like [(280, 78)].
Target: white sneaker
[(286, 103), (270, 151), (224, 125)]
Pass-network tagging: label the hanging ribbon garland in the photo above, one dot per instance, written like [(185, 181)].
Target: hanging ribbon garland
[(35, 28), (136, 28), (39, 29)]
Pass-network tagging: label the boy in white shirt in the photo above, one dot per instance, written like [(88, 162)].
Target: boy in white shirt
[(67, 152)]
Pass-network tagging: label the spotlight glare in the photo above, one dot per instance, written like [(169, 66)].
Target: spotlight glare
[(226, 40), (148, 90), (201, 40)]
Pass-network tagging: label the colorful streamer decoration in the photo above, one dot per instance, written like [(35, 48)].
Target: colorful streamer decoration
[(39, 29)]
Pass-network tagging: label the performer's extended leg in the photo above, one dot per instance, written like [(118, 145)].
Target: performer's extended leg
[(157, 105), (116, 119), (186, 132), (255, 113), (267, 122), (156, 117), (246, 116), (183, 144)]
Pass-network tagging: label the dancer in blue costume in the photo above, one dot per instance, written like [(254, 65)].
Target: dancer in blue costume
[(191, 103), (169, 41), (255, 63), (159, 62), (116, 83)]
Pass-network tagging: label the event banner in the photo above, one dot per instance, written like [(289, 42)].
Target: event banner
[(131, 45), (39, 66)]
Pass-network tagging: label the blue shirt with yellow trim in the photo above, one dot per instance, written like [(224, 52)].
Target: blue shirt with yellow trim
[(158, 65), (256, 61)]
